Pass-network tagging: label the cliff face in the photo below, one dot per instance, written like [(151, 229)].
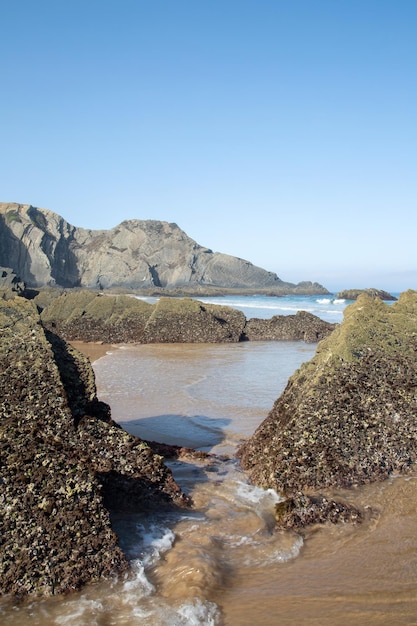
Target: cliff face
[(43, 249), (349, 415), (65, 464)]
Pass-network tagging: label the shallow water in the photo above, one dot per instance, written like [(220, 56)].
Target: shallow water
[(221, 562)]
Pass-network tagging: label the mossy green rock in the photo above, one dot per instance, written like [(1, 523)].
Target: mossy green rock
[(64, 463), (353, 294), (349, 415), (303, 326), (90, 316), (190, 321)]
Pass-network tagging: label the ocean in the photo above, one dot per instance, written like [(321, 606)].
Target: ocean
[(328, 307), (221, 563)]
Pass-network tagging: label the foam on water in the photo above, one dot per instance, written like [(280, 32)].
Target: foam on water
[(155, 541), (199, 613), (133, 600), (137, 581), (256, 495), (234, 529), (328, 308), (74, 616)]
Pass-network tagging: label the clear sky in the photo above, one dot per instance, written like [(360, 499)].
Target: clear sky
[(282, 132)]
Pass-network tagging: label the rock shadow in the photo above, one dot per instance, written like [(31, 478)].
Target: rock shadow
[(199, 432)]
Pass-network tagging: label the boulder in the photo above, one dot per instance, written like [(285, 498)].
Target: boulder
[(348, 416), (353, 294), (10, 284), (301, 510), (65, 464), (303, 326), (190, 321), (86, 315)]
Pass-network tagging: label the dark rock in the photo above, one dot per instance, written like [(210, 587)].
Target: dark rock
[(85, 315), (353, 294), (65, 464), (301, 510), (348, 416), (189, 321), (10, 284), (88, 316), (302, 326), (44, 250)]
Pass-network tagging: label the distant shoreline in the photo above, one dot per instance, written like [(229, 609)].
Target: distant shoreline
[(209, 291)]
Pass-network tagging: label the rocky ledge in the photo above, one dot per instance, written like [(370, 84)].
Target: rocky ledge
[(302, 326), (347, 417), (353, 294), (64, 464), (90, 316)]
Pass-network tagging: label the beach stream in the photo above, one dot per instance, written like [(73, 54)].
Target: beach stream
[(221, 562)]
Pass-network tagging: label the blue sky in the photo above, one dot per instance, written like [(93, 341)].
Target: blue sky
[(282, 132)]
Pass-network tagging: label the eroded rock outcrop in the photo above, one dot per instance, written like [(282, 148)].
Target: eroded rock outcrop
[(64, 464), (10, 284), (88, 316), (353, 294), (44, 249), (303, 326), (348, 416)]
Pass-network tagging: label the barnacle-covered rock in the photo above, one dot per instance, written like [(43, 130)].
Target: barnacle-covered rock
[(303, 326), (88, 316), (64, 464), (347, 417)]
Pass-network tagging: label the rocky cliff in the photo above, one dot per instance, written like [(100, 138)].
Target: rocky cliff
[(348, 416), (43, 249), (65, 464)]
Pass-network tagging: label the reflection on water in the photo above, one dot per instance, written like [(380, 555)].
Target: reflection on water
[(221, 562)]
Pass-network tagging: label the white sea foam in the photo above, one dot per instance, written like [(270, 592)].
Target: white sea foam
[(256, 495), (193, 613), (198, 613), (155, 540), (265, 552), (266, 306), (77, 611), (137, 582)]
